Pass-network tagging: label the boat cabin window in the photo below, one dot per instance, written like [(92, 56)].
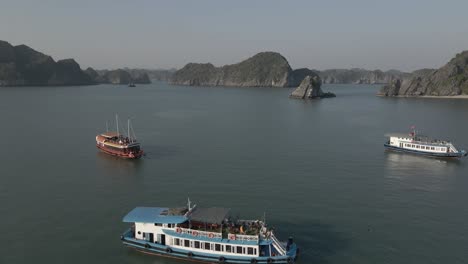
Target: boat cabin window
[(187, 243), (250, 251), (176, 241), (239, 250), (157, 224), (207, 246), (217, 247), (196, 244), (228, 248)]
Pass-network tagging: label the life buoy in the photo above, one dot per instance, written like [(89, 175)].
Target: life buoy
[(270, 260), (253, 261), (147, 245), (194, 233), (168, 250), (232, 237), (210, 235), (178, 230), (221, 259), (190, 254)]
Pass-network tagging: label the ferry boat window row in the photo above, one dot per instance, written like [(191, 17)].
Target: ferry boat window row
[(424, 147), (215, 246)]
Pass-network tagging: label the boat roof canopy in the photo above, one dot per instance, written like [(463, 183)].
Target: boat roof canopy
[(110, 134), (160, 215), (212, 215)]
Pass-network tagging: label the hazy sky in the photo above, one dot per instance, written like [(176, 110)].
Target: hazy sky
[(370, 34)]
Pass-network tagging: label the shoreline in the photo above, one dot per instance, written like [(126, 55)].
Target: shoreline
[(462, 96)]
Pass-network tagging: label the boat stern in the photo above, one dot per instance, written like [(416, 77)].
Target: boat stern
[(128, 234), (292, 250)]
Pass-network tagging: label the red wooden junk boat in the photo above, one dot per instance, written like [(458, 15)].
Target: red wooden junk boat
[(116, 144)]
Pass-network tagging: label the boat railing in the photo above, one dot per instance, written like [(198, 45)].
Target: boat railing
[(278, 245), (239, 237), (432, 142), (199, 233)]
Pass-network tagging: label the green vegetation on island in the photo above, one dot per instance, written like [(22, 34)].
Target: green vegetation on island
[(23, 66), (449, 80), (265, 69)]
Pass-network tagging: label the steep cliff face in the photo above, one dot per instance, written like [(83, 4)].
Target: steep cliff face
[(118, 76), (449, 80), (23, 66), (298, 75), (310, 88), (265, 69), (68, 71)]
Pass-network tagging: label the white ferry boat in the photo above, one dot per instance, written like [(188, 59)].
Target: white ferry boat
[(419, 144), (206, 235)]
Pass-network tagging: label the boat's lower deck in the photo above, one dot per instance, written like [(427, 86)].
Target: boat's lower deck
[(426, 153), (186, 254)]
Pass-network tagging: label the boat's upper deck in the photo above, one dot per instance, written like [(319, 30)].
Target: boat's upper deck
[(116, 140), (210, 220), (418, 139)]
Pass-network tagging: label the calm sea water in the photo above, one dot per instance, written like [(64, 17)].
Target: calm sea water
[(318, 170)]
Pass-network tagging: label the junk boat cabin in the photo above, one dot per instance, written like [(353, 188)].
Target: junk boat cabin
[(206, 235), (419, 144), (116, 144)]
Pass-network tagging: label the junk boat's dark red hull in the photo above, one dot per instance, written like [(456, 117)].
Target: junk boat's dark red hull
[(117, 145), (120, 154)]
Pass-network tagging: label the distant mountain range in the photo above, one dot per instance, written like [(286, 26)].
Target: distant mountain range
[(23, 66), (265, 69), (271, 69), (360, 76)]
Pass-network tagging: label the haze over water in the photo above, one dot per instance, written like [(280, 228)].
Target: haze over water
[(318, 170)]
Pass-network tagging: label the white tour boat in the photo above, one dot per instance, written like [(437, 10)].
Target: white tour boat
[(204, 234), (419, 144)]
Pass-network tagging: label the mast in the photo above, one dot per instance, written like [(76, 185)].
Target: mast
[(128, 129), (107, 127), (117, 123), (133, 133)]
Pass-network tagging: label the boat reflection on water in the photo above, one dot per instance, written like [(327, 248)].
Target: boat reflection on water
[(113, 164), (418, 172), (412, 163)]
